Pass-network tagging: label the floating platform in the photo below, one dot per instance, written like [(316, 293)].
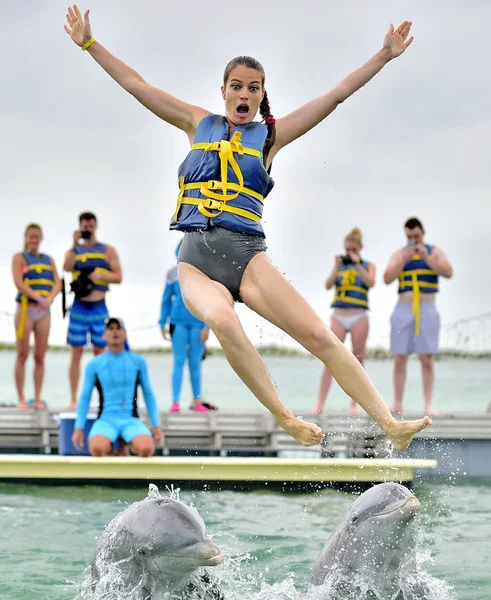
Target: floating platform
[(208, 471)]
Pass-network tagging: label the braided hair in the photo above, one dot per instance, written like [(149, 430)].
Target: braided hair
[(264, 107)]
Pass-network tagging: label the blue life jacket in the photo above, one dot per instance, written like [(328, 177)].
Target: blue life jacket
[(417, 276), (37, 274), (93, 258), (351, 291), (223, 181)]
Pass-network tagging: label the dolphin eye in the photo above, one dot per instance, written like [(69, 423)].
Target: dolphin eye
[(354, 518)]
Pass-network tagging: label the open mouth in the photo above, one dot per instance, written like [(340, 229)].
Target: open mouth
[(243, 109)]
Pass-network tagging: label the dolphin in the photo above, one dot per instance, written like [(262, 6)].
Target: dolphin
[(154, 547), (371, 555)]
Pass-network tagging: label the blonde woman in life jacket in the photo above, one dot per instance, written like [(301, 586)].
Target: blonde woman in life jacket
[(352, 277), (222, 185)]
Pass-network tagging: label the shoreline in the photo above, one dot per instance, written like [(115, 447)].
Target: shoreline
[(376, 353)]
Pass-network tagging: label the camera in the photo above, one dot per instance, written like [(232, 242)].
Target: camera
[(85, 235), (346, 260)]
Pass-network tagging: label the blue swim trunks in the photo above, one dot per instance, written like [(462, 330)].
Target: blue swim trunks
[(127, 429), (87, 318)]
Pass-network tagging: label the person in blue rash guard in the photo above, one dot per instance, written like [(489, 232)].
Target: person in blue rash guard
[(117, 374), (188, 335)]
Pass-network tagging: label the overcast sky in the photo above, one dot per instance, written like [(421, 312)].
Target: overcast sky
[(414, 141)]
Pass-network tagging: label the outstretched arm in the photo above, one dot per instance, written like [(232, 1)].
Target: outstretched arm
[(303, 119), (180, 114), (84, 400)]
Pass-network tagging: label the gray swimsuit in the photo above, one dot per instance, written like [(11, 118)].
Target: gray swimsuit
[(221, 254)]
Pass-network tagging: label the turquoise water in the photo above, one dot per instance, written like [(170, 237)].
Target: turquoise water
[(48, 534), (461, 385)]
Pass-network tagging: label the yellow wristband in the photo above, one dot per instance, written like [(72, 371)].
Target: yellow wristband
[(88, 44)]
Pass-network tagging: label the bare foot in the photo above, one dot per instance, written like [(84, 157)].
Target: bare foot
[(396, 410), (316, 411), (23, 406), (72, 408), (353, 410), (39, 406), (430, 411), (304, 432), (402, 433)]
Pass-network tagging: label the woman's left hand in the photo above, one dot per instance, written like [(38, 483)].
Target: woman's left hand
[(395, 41)]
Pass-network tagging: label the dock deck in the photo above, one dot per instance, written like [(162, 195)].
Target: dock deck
[(460, 443)]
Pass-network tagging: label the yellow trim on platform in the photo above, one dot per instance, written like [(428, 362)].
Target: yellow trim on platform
[(210, 468)]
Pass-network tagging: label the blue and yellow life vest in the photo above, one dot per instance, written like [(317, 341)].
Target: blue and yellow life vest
[(418, 277), (223, 181), (351, 291), (38, 274), (92, 258)]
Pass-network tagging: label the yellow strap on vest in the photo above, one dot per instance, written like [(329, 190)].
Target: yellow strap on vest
[(89, 256), (416, 285), (39, 267), (347, 299), (24, 301), (226, 150), (416, 303), (39, 282), (222, 207), (76, 275), (348, 280)]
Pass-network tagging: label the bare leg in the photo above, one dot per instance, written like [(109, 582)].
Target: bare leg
[(142, 445), (100, 445), (22, 348), (41, 334), (359, 335), (265, 290), (400, 369), (428, 371), (211, 302), (98, 350), (326, 377), (74, 374)]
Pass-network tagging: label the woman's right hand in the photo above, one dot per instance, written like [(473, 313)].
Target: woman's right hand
[(79, 27), (338, 261), (43, 303), (78, 439)]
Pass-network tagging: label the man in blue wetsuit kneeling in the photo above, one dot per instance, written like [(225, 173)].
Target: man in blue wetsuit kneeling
[(117, 374)]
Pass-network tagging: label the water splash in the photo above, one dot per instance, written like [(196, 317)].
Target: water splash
[(153, 492)]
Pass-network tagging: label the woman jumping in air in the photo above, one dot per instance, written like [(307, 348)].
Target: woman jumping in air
[(223, 182)]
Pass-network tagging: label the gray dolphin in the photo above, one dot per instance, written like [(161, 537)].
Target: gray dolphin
[(372, 552), (154, 547)]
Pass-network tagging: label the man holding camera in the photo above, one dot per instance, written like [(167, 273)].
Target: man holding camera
[(94, 266), (415, 322)]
